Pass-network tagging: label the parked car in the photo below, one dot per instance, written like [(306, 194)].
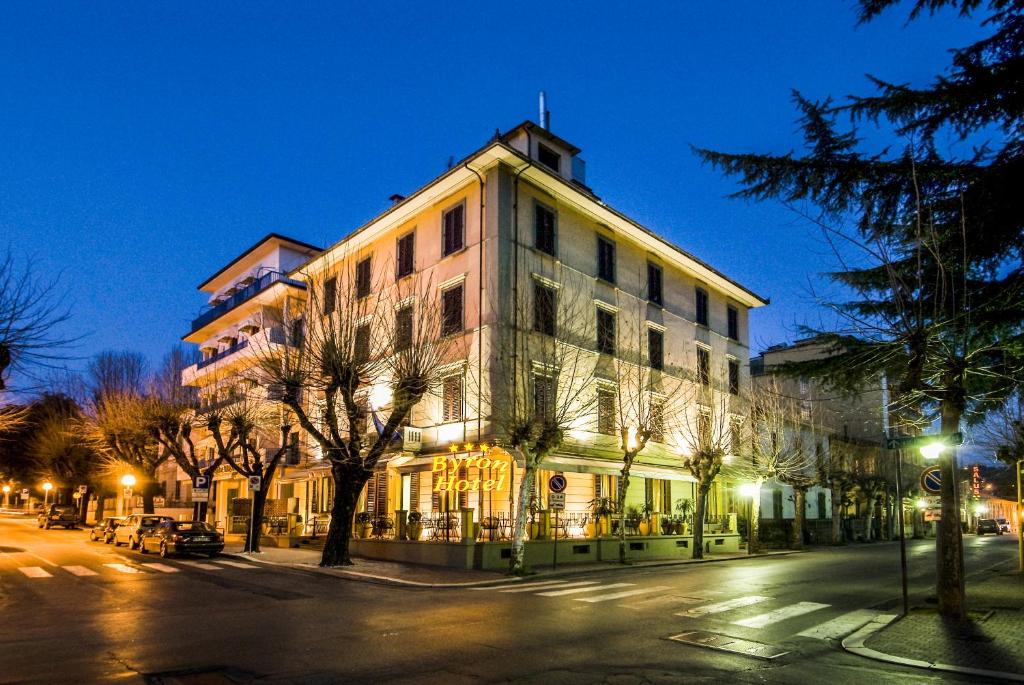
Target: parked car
[(64, 515), (104, 529), (1004, 525), (182, 537), (988, 526), (132, 528)]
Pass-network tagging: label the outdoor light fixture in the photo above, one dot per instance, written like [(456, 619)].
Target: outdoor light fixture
[(981, 509), (127, 480), (932, 450), (922, 504), (748, 489), (47, 486)]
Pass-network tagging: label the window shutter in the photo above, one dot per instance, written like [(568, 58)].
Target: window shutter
[(435, 496), (414, 492), (371, 495), (381, 506), (597, 487)]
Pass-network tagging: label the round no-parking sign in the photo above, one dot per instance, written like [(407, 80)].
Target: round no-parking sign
[(931, 479), (557, 483)]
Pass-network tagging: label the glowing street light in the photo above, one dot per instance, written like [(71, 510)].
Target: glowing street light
[(932, 450), (47, 486), (981, 509), (7, 496), (922, 504), (750, 491), (128, 481)]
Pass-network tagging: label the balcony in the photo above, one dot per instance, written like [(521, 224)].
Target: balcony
[(243, 295), (259, 342)]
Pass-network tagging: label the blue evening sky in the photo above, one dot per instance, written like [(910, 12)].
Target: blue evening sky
[(143, 145)]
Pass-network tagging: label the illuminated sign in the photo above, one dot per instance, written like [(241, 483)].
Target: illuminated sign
[(976, 480), (453, 471)]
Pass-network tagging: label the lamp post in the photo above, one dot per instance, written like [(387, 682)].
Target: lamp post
[(750, 491), (47, 486), (7, 496), (128, 481)]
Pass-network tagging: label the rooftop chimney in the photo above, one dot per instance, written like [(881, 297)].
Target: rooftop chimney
[(396, 198), (545, 115)]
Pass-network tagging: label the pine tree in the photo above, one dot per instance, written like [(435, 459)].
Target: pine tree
[(938, 302)]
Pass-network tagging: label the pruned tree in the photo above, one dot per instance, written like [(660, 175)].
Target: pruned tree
[(834, 469), (342, 343), (544, 385), (32, 310), (708, 440), (61, 452)]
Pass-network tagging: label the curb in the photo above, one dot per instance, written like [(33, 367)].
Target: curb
[(855, 645), (389, 580)]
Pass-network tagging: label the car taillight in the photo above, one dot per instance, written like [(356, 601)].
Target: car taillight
[(176, 538)]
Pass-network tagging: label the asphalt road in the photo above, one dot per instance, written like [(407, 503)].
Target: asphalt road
[(73, 611)]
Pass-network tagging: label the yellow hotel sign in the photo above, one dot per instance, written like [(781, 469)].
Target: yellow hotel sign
[(450, 467)]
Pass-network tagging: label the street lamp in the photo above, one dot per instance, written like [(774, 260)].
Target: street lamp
[(7, 496), (128, 481), (932, 450), (47, 486), (750, 491)]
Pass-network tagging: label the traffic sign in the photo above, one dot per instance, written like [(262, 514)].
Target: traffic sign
[(556, 501), (557, 483), (931, 479), (200, 482), (921, 440), (24, 492), (254, 483), (200, 494)]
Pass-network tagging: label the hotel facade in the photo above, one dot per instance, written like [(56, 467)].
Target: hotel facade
[(509, 234)]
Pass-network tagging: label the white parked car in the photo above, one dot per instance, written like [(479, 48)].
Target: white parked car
[(131, 530)]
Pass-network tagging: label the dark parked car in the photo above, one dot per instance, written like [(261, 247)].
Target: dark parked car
[(182, 537), (104, 530), (65, 515), (132, 529), (988, 526)]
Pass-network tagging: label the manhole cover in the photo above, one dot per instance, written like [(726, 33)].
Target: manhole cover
[(725, 643)]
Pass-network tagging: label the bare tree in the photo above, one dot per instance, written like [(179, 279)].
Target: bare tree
[(544, 388), (834, 468), (340, 345), (117, 374), (32, 310), (62, 452)]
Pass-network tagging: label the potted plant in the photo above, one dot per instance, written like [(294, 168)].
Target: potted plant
[(414, 528), (684, 510), (602, 508), (632, 520), (668, 525), (645, 512), (363, 526)]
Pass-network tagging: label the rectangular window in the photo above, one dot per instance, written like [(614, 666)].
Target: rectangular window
[(656, 348), (361, 344), (543, 309), (544, 229), (403, 328), (606, 411), (451, 311), (734, 323), (451, 399), (330, 295), (735, 433), (657, 421), (543, 397), (548, 157), (704, 435), (702, 307), (734, 377), (406, 247), (454, 222), (605, 259), (363, 284), (298, 333), (703, 366), (654, 284), (605, 331)]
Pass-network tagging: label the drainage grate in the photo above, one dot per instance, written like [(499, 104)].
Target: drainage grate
[(724, 643)]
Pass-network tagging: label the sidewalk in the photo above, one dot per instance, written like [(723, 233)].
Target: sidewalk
[(990, 645), (417, 575)]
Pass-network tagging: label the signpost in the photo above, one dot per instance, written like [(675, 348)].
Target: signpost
[(201, 489), (556, 502), (931, 480), (255, 483), (24, 496)]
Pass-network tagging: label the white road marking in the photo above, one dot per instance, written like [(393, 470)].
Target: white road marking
[(123, 568), (798, 609), (35, 572), (518, 586), (727, 605), (574, 590), (840, 626), (620, 595), (163, 568), (79, 570), (204, 566), (662, 599), (561, 585), (235, 564)]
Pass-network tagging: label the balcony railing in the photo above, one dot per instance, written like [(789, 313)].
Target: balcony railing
[(243, 295), (273, 335)]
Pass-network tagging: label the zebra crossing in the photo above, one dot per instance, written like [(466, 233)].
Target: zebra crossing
[(724, 611), (128, 568)]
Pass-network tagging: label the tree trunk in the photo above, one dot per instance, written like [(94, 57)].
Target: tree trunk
[(754, 535), (699, 507), (949, 587), (517, 561), (259, 504), (869, 519), (796, 540), (343, 510), (623, 486), (147, 498), (837, 515), (100, 502)]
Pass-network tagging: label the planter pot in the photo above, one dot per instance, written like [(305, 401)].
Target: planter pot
[(414, 530), (363, 531), (668, 528), (644, 528)]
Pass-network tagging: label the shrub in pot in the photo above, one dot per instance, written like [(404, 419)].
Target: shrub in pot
[(363, 526), (414, 527)]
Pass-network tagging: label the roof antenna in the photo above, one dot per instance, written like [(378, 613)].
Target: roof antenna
[(545, 115), (451, 161)]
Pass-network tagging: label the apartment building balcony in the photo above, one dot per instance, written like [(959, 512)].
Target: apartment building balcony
[(257, 287), (237, 355)]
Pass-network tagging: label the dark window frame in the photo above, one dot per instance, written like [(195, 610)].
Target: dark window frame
[(449, 325), (452, 405), (733, 322), (656, 353), (364, 278), (549, 245), (553, 156), (701, 306), (655, 284), (605, 414), (543, 396), (606, 331), (703, 365), (454, 243), (545, 305), (330, 302), (361, 341), (405, 264), (606, 259), (734, 377), (404, 334)]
